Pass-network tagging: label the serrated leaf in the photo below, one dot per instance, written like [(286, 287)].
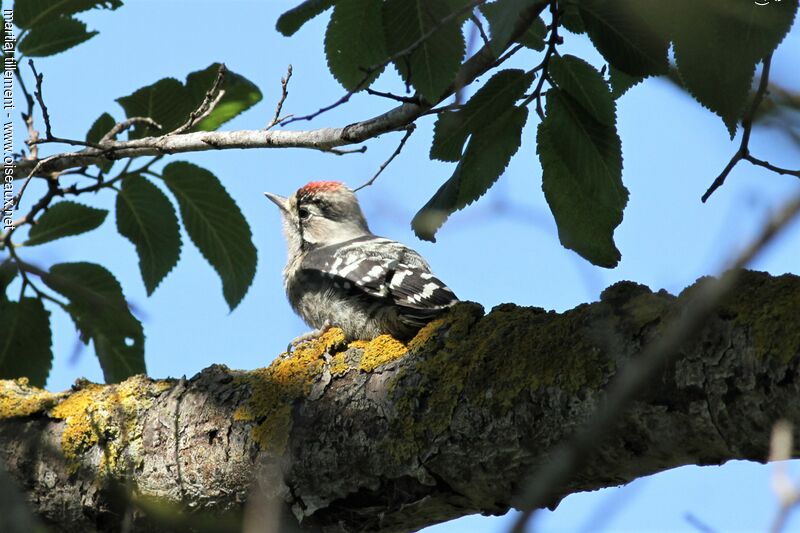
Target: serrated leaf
[(240, 95), (293, 20), (585, 84), (717, 65), (167, 101), (621, 82), (632, 35), (503, 16), (216, 226), (486, 157), (570, 18), (64, 219), (433, 64), (101, 313), (582, 178), (145, 217), (29, 13), (54, 36), (496, 96), (101, 126), (354, 42), (25, 341)]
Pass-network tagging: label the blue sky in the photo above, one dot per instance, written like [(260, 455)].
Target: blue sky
[(502, 249)]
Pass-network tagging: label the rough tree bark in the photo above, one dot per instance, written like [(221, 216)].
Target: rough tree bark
[(382, 436)]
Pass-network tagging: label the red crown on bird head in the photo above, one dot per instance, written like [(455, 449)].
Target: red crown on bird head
[(319, 186)]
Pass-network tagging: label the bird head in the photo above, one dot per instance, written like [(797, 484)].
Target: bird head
[(320, 213)]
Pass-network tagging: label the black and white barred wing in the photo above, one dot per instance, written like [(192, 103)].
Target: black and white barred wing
[(385, 269)]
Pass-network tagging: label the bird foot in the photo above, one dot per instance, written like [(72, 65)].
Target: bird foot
[(308, 337)]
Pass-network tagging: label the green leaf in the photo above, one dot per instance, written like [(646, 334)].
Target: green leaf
[(585, 84), (354, 42), (293, 20), (102, 315), (29, 13), (101, 126), (216, 226), (632, 35), (432, 65), (167, 101), (54, 36), (582, 178), (570, 18), (486, 157), (64, 219), (496, 96), (146, 217), (718, 44), (240, 95), (621, 82), (25, 341), (503, 16), (8, 271)]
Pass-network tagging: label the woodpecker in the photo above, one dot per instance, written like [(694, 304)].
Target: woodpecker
[(340, 274)]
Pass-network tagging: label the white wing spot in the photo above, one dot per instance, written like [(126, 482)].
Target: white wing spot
[(428, 289), (336, 264), (426, 275), (349, 268)]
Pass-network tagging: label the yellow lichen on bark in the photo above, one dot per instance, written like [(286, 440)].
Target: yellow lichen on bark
[(272, 390), (379, 351), (17, 398)]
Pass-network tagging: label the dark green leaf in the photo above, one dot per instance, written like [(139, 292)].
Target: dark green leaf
[(621, 82), (8, 271), (146, 217), (29, 13), (354, 42), (631, 34), (582, 178), (240, 94), (25, 345), (497, 95), (293, 20), (570, 18), (166, 101), (503, 16), (581, 81), (101, 126), (102, 315), (718, 44), (486, 157), (64, 219), (432, 65), (216, 226), (54, 36)]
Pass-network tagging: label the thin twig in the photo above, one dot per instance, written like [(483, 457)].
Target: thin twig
[(119, 127), (552, 42), (369, 71), (344, 151), (277, 118), (409, 130), (567, 458), (38, 93), (396, 97), (747, 128), (213, 96), (766, 164), (479, 25)]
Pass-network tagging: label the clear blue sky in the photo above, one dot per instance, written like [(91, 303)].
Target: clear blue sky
[(503, 249)]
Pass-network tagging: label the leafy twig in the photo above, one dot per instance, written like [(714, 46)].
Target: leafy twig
[(409, 130)]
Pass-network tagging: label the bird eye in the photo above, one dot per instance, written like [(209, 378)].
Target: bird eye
[(304, 213)]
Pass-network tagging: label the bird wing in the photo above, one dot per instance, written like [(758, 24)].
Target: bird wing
[(384, 269)]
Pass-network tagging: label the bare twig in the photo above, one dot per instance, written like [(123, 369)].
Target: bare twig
[(344, 151), (638, 374), (396, 97), (409, 130), (769, 166), (479, 25), (210, 101), (38, 93), (277, 118), (119, 127), (781, 446), (747, 128), (552, 42)]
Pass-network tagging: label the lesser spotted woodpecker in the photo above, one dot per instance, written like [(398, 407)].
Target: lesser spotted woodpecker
[(340, 274)]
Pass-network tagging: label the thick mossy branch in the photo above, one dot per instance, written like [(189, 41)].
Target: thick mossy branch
[(382, 435)]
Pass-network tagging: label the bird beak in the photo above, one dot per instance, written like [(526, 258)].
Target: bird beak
[(280, 201)]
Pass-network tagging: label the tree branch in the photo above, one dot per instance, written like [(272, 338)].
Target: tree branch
[(371, 437)]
